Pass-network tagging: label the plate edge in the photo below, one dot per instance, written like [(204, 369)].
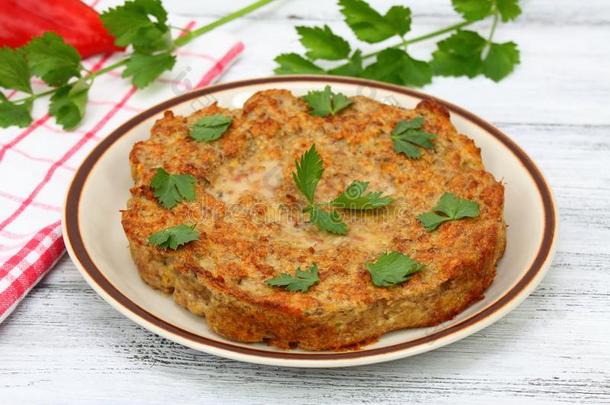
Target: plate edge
[(380, 354)]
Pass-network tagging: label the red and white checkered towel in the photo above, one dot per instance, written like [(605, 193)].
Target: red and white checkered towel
[(37, 163)]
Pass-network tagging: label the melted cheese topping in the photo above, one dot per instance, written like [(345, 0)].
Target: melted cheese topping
[(263, 180), (257, 178)]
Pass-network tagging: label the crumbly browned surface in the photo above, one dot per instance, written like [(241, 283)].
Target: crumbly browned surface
[(248, 213)]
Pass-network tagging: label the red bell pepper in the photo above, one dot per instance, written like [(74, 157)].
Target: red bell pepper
[(77, 23)]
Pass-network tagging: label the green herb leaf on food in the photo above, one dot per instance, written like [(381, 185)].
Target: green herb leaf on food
[(51, 59), (408, 137), (171, 189), (329, 221), (301, 281), (392, 268), (325, 102), (309, 170), (174, 237), (354, 198), (449, 208), (210, 128)]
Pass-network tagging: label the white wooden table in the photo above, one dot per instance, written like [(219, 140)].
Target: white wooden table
[(64, 344)]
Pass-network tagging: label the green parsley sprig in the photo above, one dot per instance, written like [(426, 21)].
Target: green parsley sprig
[(449, 208), (354, 198), (171, 189), (325, 102), (329, 221), (139, 25), (407, 136), (309, 170), (392, 268), (210, 128), (174, 237), (301, 281), (463, 53)]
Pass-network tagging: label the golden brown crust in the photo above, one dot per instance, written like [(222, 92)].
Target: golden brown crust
[(248, 212)]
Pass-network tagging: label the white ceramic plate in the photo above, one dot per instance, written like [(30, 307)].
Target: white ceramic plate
[(96, 242)]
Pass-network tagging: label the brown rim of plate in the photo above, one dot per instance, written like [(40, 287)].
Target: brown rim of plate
[(75, 239)]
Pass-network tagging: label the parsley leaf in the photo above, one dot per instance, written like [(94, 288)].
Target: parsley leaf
[(210, 128), (322, 43), (396, 66), (18, 114), (301, 281), (325, 102), (392, 268), (352, 68), (449, 208), (372, 27), (329, 221), (292, 63), (407, 136), (51, 59), (308, 174), (473, 10), (353, 198), (508, 9), (459, 55), (170, 189), (400, 18), (68, 104), (501, 60), (144, 69), (173, 237), (140, 23), (14, 71)]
